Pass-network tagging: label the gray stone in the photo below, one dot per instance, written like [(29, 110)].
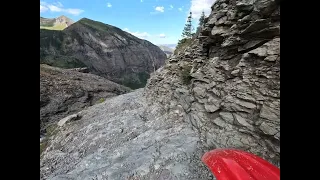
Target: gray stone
[(256, 25), (64, 92), (187, 54), (231, 41), (250, 45), (269, 113), (227, 117), (221, 21), (211, 22), (97, 148), (265, 7), (67, 119), (261, 51), (268, 128), (218, 121), (235, 72), (200, 77), (271, 58), (244, 6), (243, 122), (211, 108), (277, 136), (199, 92), (218, 30)]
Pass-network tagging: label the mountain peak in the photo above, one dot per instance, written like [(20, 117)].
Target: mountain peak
[(58, 23)]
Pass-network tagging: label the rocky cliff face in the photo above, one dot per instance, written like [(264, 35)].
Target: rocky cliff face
[(64, 92), (106, 51), (227, 83)]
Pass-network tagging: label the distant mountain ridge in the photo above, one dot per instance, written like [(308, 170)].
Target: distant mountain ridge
[(169, 51), (58, 23), (172, 46), (106, 50)]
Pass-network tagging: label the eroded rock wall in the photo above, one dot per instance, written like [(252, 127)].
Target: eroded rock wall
[(233, 97)]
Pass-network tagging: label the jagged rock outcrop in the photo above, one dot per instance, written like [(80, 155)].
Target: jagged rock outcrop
[(104, 49), (64, 92), (227, 83)]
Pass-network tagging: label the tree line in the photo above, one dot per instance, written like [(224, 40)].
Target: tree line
[(188, 29)]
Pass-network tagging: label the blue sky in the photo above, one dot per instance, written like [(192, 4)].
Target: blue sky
[(159, 21)]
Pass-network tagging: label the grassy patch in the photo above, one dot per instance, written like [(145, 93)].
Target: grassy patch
[(185, 74), (182, 45), (135, 80), (57, 27), (43, 146), (51, 131), (101, 100)]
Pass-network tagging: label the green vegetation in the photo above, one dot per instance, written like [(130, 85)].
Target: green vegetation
[(60, 61), (43, 146), (57, 39), (57, 27), (53, 49), (187, 36), (182, 45), (135, 81), (201, 19), (51, 38), (51, 130), (101, 100), (94, 24), (185, 74), (187, 31), (105, 28)]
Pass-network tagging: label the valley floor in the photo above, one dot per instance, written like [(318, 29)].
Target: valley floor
[(121, 139)]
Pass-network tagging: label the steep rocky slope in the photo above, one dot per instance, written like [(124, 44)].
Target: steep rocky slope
[(227, 82), (124, 139), (63, 92), (58, 23), (106, 50)]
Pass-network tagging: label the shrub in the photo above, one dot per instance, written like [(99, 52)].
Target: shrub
[(182, 44), (101, 100), (185, 75)]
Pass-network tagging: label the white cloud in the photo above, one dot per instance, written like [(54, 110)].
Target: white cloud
[(162, 35), (171, 7), (159, 8), (58, 7), (141, 0), (75, 12), (43, 9), (54, 8), (59, 4), (180, 9), (109, 5), (142, 35), (197, 6)]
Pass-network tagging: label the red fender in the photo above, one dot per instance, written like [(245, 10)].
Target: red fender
[(232, 164)]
